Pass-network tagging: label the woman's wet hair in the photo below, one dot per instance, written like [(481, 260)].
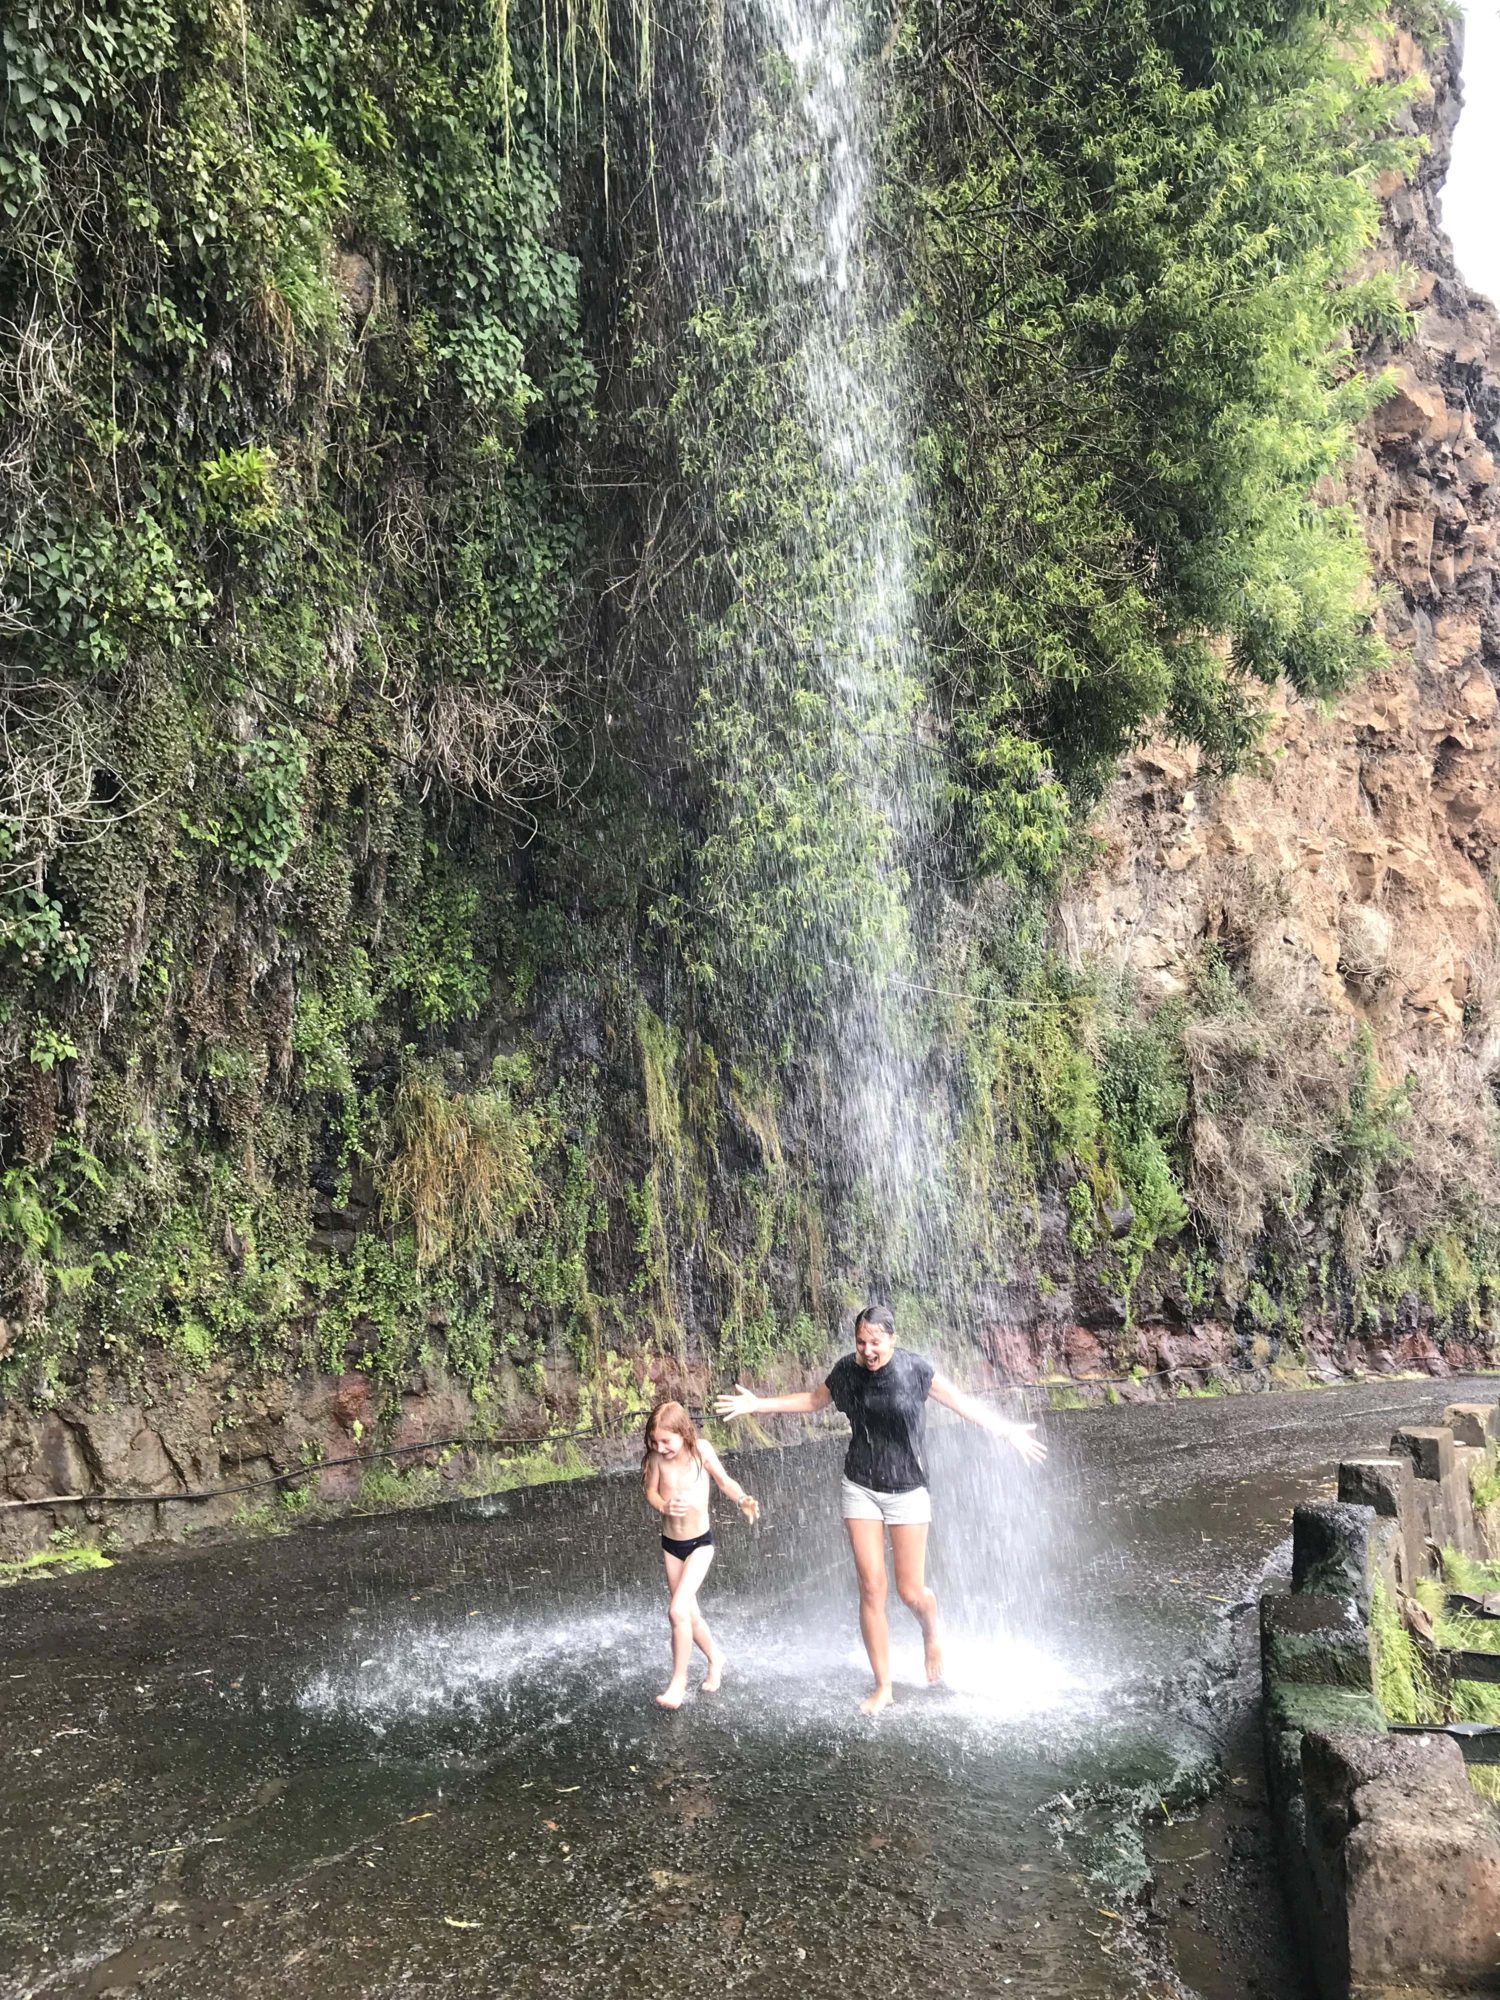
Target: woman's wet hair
[(880, 1316), (670, 1416)]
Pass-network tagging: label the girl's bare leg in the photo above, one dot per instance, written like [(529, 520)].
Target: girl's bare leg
[(683, 1580), (909, 1560), (704, 1640), (867, 1540)]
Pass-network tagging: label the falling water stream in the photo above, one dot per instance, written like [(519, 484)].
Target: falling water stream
[(836, 680)]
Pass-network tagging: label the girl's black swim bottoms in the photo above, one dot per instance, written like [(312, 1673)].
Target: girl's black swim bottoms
[(682, 1550)]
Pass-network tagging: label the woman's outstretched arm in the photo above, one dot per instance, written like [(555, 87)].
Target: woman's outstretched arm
[(1022, 1436), (743, 1402)]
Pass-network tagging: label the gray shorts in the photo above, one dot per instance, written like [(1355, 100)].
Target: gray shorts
[(896, 1510)]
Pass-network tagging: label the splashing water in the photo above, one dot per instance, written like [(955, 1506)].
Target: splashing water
[(781, 1602), (531, 1678)]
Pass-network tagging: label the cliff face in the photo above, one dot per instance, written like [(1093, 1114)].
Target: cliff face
[(389, 881), (1349, 880), (1338, 898)]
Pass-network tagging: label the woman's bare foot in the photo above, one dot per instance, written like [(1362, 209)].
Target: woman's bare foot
[(714, 1678), (934, 1661), (874, 1703), (671, 1696)]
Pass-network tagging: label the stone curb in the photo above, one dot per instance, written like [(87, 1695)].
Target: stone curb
[(1392, 1859)]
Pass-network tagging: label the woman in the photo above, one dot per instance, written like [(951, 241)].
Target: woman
[(883, 1391)]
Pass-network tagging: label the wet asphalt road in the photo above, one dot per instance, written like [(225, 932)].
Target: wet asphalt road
[(418, 1754)]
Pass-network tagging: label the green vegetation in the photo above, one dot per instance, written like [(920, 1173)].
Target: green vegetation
[(389, 1483), (1484, 1484), (1404, 1684), (289, 593), (462, 1174), (1131, 406), (67, 1556), (1062, 1397), (1410, 1680)]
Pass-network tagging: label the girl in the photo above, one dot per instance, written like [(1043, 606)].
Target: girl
[(675, 1472)]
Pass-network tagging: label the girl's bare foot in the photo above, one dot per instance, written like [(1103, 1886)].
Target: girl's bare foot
[(713, 1679), (672, 1696), (874, 1703), (934, 1661)]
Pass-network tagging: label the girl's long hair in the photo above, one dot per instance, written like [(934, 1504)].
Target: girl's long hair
[(671, 1416)]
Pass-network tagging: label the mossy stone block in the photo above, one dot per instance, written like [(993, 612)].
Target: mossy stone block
[(1331, 1550), (1315, 1641), (1295, 1705)]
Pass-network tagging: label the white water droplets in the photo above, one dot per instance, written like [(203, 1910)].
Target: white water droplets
[(432, 1671), (804, 182)]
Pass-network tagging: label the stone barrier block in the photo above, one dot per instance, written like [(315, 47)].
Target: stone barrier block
[(1429, 1447), (1473, 1423), (1388, 1564), (1337, 1765), (1435, 1514), (1382, 1483), (1314, 1641), (1467, 1456), (1331, 1550), (1445, 1509), (1393, 1826), (1389, 1486), (1453, 1515), (1290, 1710)]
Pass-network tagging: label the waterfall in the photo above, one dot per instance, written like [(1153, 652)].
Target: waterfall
[(826, 699)]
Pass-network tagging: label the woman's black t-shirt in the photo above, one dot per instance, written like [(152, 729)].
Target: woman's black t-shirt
[(887, 1408)]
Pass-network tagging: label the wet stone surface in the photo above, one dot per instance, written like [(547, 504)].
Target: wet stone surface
[(419, 1754)]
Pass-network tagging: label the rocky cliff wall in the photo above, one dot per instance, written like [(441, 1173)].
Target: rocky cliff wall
[(1337, 899), (1350, 878), (258, 1253)]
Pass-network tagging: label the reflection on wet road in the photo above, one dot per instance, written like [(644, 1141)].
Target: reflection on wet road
[(419, 1754)]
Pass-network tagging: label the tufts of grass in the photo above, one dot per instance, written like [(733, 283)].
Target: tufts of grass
[(386, 1485), (67, 1557), (1484, 1484), (465, 1174), (1467, 1701), (267, 1517), (545, 1466), (1474, 1701), (1404, 1685), (1466, 1573)]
